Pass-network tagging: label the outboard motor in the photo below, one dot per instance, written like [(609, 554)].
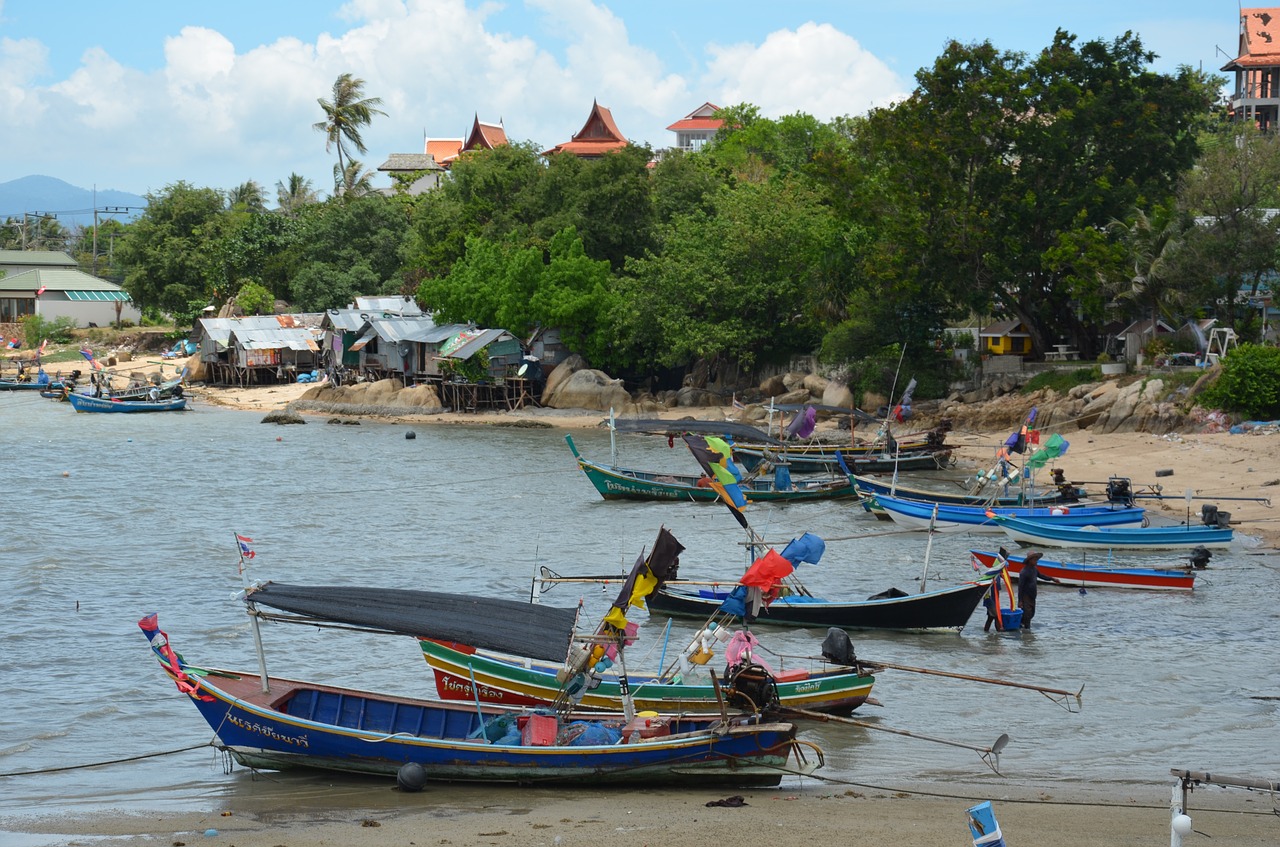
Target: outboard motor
[(838, 648), (752, 688), (1067, 492), (1119, 491), (1212, 516), (1200, 557)]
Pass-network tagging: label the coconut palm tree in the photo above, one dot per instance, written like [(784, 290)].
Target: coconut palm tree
[(293, 194), (249, 195), (353, 181), (345, 114), (1154, 245)]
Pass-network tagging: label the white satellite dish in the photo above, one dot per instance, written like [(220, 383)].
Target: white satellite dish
[(523, 369)]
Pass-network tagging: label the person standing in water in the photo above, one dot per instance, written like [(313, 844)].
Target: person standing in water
[(1027, 584)]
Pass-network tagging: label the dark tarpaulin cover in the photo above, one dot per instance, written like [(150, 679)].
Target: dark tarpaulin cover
[(740, 431), (507, 626)]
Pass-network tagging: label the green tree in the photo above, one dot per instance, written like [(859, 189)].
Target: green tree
[(164, 253), (345, 249), (294, 193), (1151, 246), (248, 196), (253, 299), (345, 115), (1249, 383), (1234, 191)]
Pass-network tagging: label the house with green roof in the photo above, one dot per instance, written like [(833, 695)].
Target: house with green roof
[(48, 283)]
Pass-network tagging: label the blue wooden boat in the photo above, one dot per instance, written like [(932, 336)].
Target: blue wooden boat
[(33, 385), (949, 518), (1038, 533), (302, 724), (85, 403)]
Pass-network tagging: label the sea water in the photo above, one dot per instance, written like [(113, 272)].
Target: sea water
[(112, 517)]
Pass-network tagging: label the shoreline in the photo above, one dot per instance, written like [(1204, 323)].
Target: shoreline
[(828, 813)]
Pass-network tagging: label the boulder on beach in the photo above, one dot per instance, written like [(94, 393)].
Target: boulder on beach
[(284, 416), (588, 389)]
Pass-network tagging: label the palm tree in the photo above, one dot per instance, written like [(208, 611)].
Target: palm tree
[(249, 195), (345, 114), (353, 181), (294, 194), (1152, 245)]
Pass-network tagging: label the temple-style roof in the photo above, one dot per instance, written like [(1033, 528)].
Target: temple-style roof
[(702, 117), (485, 136), (445, 150), (599, 135), (1259, 39)]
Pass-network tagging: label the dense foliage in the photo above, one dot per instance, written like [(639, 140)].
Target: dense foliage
[(1060, 189), (1249, 383)]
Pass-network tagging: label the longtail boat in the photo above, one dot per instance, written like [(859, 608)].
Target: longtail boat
[(280, 723), (86, 403), (1038, 533), (868, 486), (616, 483), (944, 517), (1094, 576), (464, 673), (943, 608)]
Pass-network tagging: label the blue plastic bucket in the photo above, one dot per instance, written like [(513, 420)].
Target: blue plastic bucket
[(1010, 619)]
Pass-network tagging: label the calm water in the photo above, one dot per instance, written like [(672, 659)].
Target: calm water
[(111, 517)]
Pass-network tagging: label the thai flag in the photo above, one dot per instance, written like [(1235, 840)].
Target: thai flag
[(738, 404), (246, 552), (88, 355)]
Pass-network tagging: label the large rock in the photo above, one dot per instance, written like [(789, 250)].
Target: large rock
[(561, 373), (588, 389), (837, 394), (690, 396), (799, 395), (422, 397), (382, 392), (773, 386), (283, 416), (815, 384)]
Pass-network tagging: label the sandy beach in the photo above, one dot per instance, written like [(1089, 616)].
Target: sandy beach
[(311, 813)]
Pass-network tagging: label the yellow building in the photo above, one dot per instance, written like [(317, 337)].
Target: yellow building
[(1006, 338)]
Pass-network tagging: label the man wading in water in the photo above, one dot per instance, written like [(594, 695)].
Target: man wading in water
[(1027, 579)]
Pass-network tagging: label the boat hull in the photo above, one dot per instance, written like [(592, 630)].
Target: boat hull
[(10, 385), (300, 724), (868, 486), (630, 484), (507, 682), (1095, 576), (948, 608), (1034, 533), (85, 403), (950, 518), (860, 459)]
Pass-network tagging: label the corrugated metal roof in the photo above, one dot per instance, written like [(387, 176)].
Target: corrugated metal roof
[(219, 329), (36, 257), (347, 320), (403, 306), (474, 345), (279, 338), (55, 279)]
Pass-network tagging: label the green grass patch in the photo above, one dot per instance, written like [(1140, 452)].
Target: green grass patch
[(1062, 381)]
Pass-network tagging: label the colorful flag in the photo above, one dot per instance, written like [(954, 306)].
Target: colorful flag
[(1053, 447), (714, 455), (738, 404), (41, 291), (88, 356), (246, 552)]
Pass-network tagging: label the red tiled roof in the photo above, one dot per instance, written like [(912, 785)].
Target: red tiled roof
[(443, 149), (1259, 39), (696, 123), (485, 136), (598, 135)]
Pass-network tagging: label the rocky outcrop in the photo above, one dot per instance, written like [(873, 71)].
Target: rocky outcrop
[(560, 374), (837, 394), (587, 389), (284, 416)]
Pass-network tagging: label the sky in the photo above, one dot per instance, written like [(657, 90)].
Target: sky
[(138, 95)]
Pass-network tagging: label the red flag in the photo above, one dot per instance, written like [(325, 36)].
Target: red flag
[(41, 291), (246, 552)]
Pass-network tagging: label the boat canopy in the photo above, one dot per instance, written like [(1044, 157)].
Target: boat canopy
[(506, 626), (658, 425)]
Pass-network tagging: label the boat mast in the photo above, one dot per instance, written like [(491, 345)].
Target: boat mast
[(252, 610)]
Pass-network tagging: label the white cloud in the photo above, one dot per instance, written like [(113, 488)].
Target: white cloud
[(815, 69), (219, 113)]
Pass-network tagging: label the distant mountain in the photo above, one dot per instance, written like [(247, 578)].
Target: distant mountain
[(72, 205)]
